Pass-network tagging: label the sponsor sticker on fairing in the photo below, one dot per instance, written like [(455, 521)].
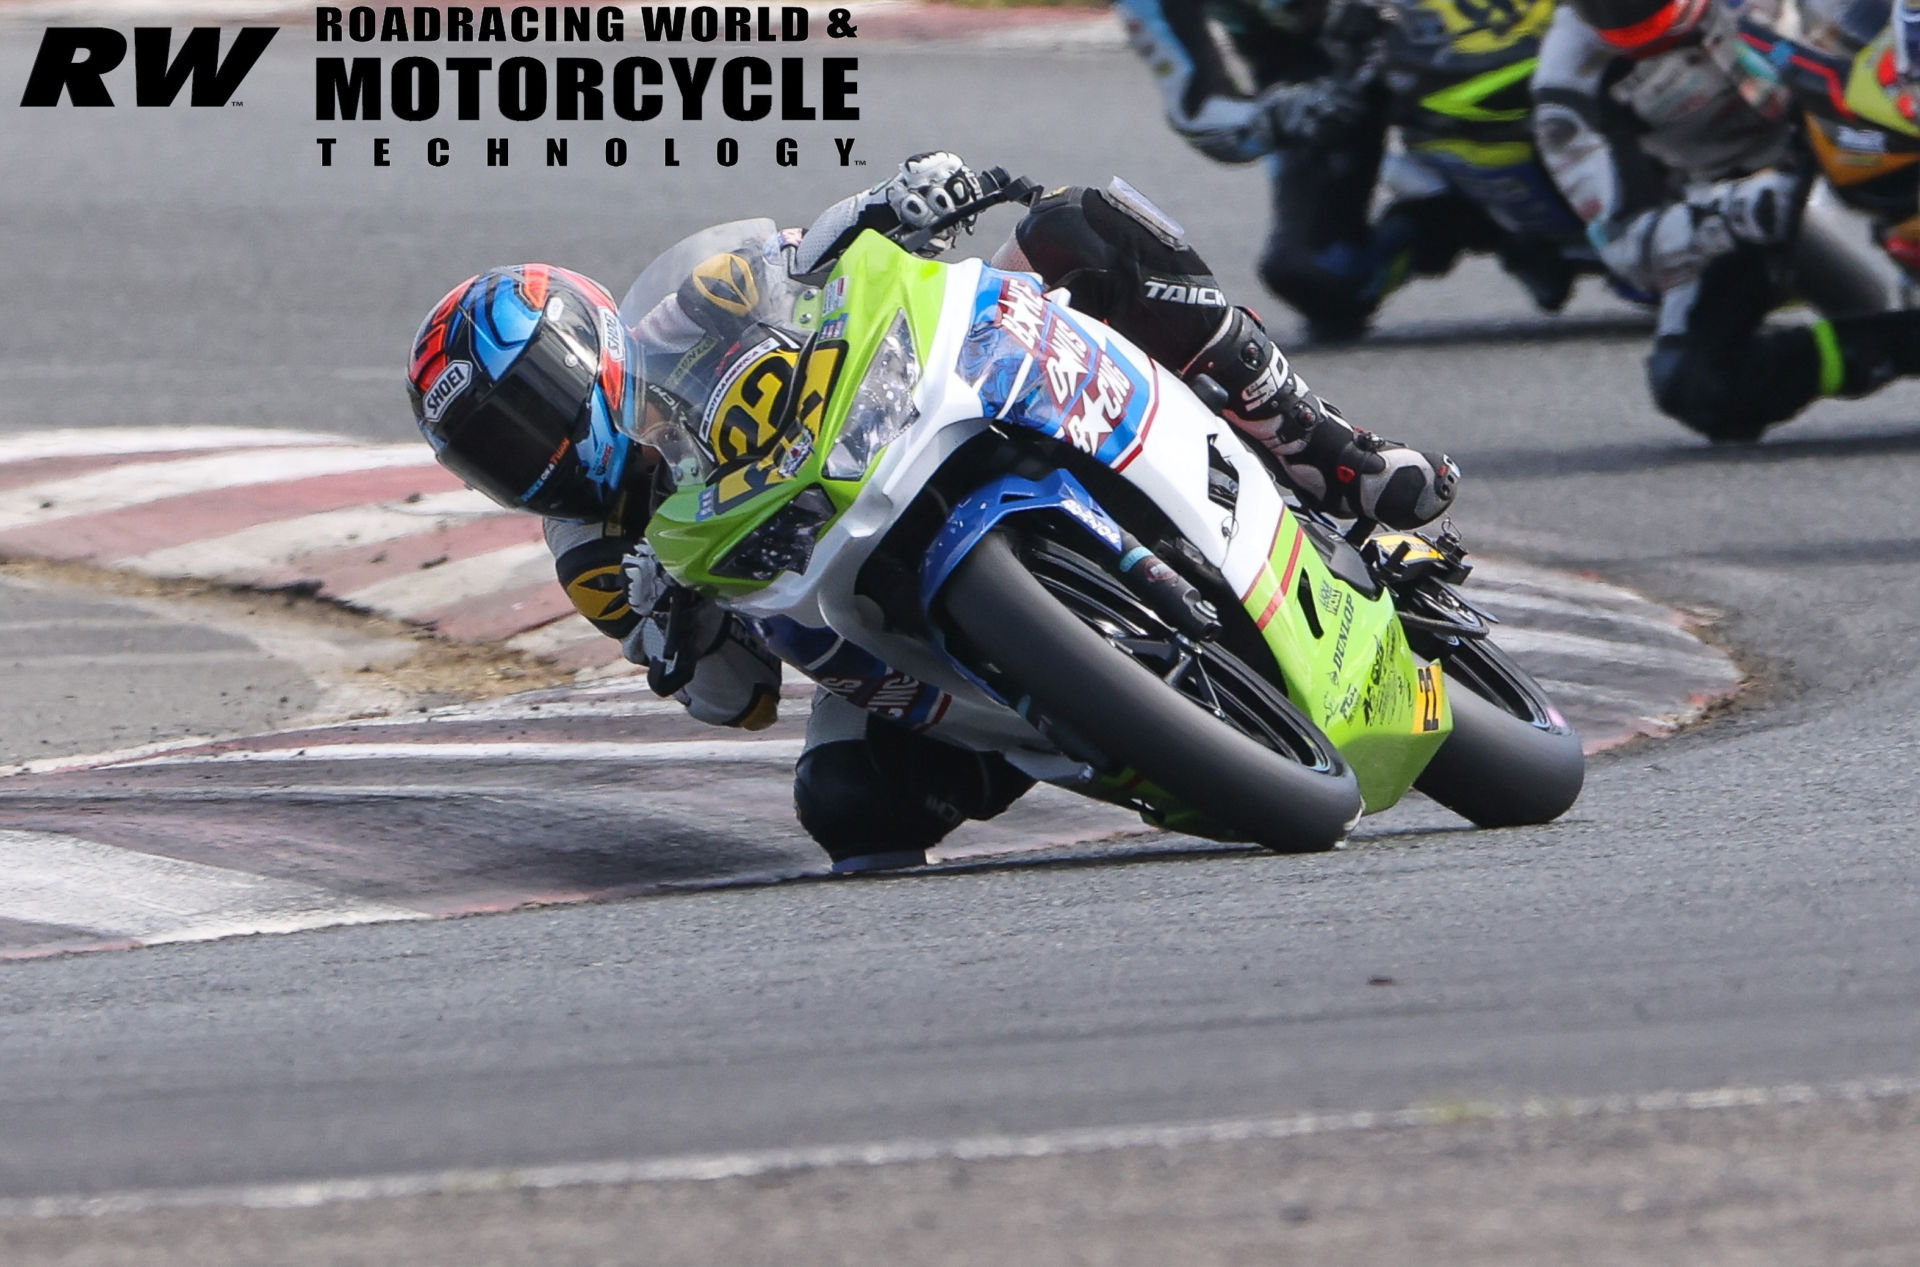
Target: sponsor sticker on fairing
[(452, 381), (1022, 313), (1093, 520), (1067, 361), (834, 297), (1101, 408)]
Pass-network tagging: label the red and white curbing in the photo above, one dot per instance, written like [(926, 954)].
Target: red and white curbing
[(380, 528), (383, 529)]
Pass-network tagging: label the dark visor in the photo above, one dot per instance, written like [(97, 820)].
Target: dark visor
[(508, 446)]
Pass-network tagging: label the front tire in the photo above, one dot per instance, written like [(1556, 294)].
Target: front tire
[(1512, 759), (1057, 628)]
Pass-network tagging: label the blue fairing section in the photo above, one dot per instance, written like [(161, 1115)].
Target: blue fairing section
[(1037, 365), (1010, 495)]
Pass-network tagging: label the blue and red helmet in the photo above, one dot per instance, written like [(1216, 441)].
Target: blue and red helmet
[(523, 383)]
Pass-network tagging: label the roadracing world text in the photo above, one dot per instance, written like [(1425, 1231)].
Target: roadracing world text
[(644, 88)]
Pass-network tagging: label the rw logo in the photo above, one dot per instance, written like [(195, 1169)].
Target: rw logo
[(76, 59)]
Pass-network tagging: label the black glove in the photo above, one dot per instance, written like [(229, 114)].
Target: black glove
[(1321, 114), (676, 628)]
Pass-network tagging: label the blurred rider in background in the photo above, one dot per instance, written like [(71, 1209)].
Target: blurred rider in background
[(1687, 162), (1324, 85), (527, 384)]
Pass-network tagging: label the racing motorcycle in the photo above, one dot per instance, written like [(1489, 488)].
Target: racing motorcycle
[(1861, 128), (950, 499)]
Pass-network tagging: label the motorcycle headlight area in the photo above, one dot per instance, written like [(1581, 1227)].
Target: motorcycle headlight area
[(782, 544), (882, 406)]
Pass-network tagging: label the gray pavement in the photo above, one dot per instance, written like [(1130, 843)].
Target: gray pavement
[(87, 672), (1733, 907)]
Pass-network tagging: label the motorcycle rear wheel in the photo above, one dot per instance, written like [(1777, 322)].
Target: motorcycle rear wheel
[(1186, 715)]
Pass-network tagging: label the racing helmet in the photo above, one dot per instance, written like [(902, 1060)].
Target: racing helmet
[(1644, 26), (523, 381)]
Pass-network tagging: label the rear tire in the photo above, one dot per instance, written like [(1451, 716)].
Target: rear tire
[(1836, 277), (1080, 647), (1512, 760)]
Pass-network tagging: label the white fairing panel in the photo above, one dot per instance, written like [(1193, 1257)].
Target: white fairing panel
[(1003, 351)]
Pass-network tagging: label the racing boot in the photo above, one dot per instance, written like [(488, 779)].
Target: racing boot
[(1332, 465)]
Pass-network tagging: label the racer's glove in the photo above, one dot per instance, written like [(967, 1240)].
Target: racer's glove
[(1226, 129), (1321, 113), (676, 626), (1761, 210), (695, 652), (929, 187), (1670, 246)]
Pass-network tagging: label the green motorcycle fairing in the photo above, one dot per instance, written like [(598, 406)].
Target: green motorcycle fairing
[(831, 370)]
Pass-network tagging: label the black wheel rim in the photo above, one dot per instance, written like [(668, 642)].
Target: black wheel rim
[(1476, 663), (1205, 673)]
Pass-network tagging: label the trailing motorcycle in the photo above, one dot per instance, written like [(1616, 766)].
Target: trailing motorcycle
[(950, 499)]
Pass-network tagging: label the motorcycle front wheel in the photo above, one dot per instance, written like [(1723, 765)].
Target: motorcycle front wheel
[(1512, 759), (1069, 642)]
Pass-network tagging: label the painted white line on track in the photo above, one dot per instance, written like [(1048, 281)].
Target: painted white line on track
[(1522, 641), (611, 710), (139, 483), (242, 554), (77, 883), (1639, 615), (68, 442), (477, 575), (85, 760), (90, 661), (711, 1167), (654, 753)]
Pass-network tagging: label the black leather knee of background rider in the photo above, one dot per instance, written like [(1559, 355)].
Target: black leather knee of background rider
[(895, 790), (1335, 301), (1709, 396), (1316, 258), (1157, 293)]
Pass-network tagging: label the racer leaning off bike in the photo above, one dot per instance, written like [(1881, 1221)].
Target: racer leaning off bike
[(1326, 86), (1690, 174), (527, 384)]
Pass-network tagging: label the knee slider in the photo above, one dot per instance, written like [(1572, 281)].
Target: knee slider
[(850, 806)]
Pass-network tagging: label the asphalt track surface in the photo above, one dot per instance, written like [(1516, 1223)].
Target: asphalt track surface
[(1732, 908)]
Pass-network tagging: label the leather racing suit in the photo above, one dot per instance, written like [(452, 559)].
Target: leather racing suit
[(1688, 174)]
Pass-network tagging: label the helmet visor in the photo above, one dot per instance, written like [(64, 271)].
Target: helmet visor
[(511, 430), (664, 420)]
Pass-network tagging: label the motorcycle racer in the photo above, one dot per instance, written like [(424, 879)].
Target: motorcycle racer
[(1325, 88), (1686, 163), (529, 388)]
